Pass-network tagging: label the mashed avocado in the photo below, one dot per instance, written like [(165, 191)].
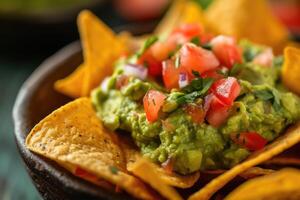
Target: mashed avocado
[(260, 107)]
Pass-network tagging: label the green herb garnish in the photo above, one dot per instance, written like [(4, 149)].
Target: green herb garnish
[(148, 43), (113, 169), (197, 88), (269, 95), (196, 41)]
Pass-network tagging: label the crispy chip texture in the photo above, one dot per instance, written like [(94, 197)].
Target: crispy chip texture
[(146, 170), (101, 47), (172, 179), (290, 138), (72, 85), (74, 135), (246, 19), (291, 69), (283, 184)]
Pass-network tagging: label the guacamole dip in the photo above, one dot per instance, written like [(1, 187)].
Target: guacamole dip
[(191, 102)]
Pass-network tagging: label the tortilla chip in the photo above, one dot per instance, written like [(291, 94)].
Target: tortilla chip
[(77, 171), (246, 19), (192, 13), (101, 47), (290, 138), (146, 170), (171, 18), (283, 161), (256, 171), (133, 43), (249, 173), (74, 135), (283, 184), (173, 179), (181, 12), (291, 69), (72, 85)]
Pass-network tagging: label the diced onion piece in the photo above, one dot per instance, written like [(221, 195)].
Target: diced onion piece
[(104, 85), (183, 80), (137, 71)]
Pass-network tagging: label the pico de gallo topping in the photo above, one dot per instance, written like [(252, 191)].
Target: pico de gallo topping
[(195, 101)]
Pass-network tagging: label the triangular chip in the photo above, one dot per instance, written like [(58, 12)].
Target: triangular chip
[(291, 69), (246, 19), (72, 85), (74, 135), (283, 184), (181, 181), (101, 48), (146, 170), (290, 138), (192, 13), (180, 12)]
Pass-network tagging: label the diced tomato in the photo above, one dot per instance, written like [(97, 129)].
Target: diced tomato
[(189, 30), (153, 101), (186, 32), (250, 140), (170, 74), (226, 89), (196, 112), (162, 50), (218, 112), (265, 58), (168, 165), (193, 58), (226, 50), (84, 174), (213, 74), (154, 66)]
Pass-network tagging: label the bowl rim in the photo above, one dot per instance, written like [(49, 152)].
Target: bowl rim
[(19, 115)]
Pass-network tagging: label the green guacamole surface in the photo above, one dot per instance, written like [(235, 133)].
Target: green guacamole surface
[(260, 107)]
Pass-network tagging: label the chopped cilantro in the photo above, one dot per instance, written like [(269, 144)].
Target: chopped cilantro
[(196, 41), (206, 46), (235, 70), (197, 88), (113, 169), (149, 42), (196, 73), (172, 53), (269, 95)]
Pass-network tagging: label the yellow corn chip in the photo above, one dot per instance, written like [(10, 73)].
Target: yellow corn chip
[(246, 19), (171, 18), (74, 135), (192, 13), (283, 184), (72, 85), (256, 171), (132, 156), (181, 11), (101, 47), (291, 69), (290, 138), (146, 170)]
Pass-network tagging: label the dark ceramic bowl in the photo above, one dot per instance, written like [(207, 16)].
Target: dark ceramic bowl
[(36, 100)]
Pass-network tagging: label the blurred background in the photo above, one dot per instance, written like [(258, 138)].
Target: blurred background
[(32, 30)]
